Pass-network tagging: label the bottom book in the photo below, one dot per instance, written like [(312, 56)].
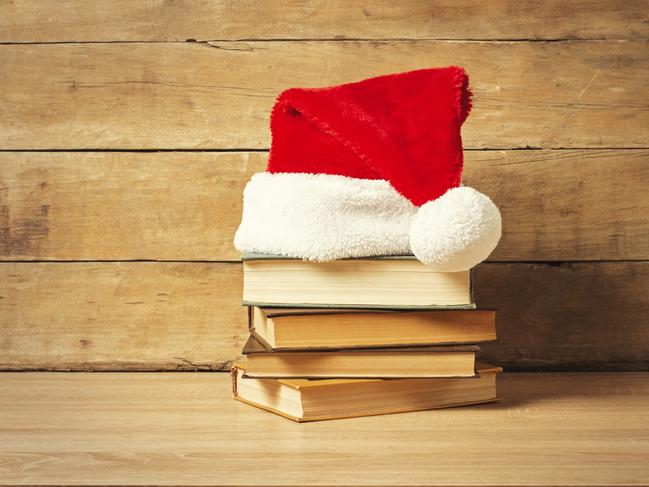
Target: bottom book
[(322, 399)]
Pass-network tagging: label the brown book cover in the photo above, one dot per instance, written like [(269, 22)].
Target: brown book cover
[(253, 346), (305, 400), (396, 362), (293, 329)]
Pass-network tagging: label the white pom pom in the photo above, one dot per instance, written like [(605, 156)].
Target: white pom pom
[(456, 231)]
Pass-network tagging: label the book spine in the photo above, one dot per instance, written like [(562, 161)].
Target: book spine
[(471, 289), (233, 375), (369, 307), (251, 324)]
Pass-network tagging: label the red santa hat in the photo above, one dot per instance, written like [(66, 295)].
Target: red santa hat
[(371, 168)]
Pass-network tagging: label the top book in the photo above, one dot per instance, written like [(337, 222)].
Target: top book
[(392, 282)]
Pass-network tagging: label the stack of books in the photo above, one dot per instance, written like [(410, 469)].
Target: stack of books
[(360, 337)]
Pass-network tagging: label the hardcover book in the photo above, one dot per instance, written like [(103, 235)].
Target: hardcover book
[(410, 362), (314, 400), (321, 328), (383, 282)]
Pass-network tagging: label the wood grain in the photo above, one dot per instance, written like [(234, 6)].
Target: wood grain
[(567, 205), (167, 316), (122, 206), (112, 316), (123, 20), (184, 429), (556, 205), (568, 316), (581, 94)]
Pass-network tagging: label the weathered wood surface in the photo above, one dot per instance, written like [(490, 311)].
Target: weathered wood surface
[(569, 316), (556, 205), (125, 20), (147, 93), (582, 94), (112, 316), (567, 205), (184, 429), (122, 206), (169, 316)]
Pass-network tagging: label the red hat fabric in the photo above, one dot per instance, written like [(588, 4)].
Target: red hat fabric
[(403, 128), (371, 168)]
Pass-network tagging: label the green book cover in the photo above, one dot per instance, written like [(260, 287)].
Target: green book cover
[(255, 256)]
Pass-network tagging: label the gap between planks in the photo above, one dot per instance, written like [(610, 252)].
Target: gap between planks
[(331, 39), (266, 149)]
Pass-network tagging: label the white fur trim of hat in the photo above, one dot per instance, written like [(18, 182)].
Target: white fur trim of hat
[(322, 217)]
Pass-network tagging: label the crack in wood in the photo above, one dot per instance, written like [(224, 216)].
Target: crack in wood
[(188, 365)]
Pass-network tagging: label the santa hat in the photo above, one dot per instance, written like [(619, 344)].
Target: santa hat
[(371, 168)]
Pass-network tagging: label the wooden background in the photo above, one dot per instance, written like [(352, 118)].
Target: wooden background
[(128, 129)]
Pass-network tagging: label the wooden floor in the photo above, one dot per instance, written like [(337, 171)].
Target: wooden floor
[(184, 428)]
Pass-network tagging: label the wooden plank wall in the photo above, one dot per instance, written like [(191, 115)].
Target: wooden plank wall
[(128, 129)]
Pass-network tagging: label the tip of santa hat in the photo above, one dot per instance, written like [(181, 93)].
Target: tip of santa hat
[(456, 231)]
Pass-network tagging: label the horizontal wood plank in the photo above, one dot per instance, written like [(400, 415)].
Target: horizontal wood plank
[(566, 205), (184, 429), (122, 206), (582, 94), (110, 316), (569, 316), (168, 316), (124, 20), (556, 205)]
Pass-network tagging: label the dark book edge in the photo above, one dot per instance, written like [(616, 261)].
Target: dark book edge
[(471, 287), (441, 307), (251, 325), (254, 346), (487, 369), (256, 256), (271, 312), (378, 348), (245, 375)]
